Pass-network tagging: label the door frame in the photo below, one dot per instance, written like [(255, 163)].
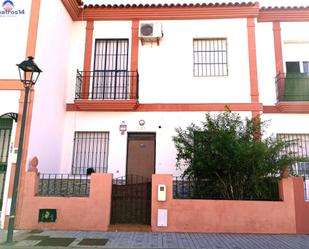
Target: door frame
[(155, 148)]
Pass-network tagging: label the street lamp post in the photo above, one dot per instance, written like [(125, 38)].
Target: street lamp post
[(29, 73)]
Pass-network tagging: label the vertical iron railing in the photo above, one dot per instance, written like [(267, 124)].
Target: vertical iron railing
[(210, 57), (137, 86), (107, 85), (90, 152), (78, 86), (298, 146), (131, 200), (187, 188), (64, 185)]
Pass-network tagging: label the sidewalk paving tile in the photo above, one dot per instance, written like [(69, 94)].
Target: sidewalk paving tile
[(157, 240)]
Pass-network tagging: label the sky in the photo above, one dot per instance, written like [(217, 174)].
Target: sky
[(262, 2)]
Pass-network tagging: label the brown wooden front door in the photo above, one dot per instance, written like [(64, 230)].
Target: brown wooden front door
[(141, 154), (131, 195)]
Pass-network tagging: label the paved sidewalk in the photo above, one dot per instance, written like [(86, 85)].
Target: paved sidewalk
[(159, 240)]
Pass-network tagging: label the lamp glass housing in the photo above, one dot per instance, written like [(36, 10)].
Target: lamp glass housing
[(28, 72)]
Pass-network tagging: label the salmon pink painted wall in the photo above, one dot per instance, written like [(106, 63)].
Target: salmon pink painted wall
[(73, 213), (224, 216), (301, 206)]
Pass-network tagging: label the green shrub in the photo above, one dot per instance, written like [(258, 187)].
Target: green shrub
[(230, 158)]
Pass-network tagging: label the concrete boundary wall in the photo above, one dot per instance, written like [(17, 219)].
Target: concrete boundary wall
[(73, 213), (92, 213), (228, 216)]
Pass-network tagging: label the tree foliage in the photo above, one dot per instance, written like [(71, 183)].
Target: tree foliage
[(231, 156)]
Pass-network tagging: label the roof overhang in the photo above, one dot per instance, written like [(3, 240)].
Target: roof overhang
[(78, 11), (284, 14)]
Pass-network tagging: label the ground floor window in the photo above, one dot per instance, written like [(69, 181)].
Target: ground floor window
[(300, 148), (90, 152), (5, 137)]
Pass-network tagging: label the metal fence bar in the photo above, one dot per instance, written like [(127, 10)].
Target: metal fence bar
[(90, 152), (64, 185), (107, 85), (210, 57), (186, 188)]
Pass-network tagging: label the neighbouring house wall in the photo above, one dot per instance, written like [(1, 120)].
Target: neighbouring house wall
[(301, 206), (13, 42), (295, 41), (52, 55), (73, 213), (9, 102), (295, 44), (225, 215), (286, 123), (162, 123)]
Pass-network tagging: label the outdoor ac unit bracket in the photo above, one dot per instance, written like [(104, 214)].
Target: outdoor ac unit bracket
[(150, 32)]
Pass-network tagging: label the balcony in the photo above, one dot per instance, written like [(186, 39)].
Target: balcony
[(106, 90), (292, 87), (292, 92)]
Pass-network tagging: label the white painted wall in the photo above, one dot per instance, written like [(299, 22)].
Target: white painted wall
[(266, 65), (166, 71), (109, 122), (76, 58), (52, 56), (286, 123), (296, 51), (13, 41)]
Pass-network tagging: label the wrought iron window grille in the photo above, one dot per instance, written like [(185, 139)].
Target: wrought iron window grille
[(90, 151), (210, 57)]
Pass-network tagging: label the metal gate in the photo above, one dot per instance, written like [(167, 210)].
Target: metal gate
[(131, 200)]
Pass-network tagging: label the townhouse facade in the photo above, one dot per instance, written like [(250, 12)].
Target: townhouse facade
[(118, 79)]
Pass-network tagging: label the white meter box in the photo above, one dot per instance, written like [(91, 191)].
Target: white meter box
[(161, 192)]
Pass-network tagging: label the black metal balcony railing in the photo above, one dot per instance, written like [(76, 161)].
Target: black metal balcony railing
[(107, 85), (292, 87)]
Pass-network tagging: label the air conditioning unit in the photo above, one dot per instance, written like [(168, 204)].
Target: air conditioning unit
[(150, 32)]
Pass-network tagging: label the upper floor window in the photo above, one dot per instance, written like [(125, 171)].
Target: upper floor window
[(297, 67), (111, 79), (210, 57)]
